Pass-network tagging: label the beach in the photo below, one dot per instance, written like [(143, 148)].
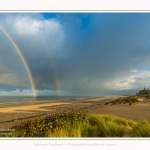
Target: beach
[(13, 113)]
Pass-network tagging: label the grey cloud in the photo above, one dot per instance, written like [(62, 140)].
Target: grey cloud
[(81, 57)]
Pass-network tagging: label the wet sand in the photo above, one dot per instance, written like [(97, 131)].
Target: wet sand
[(10, 113)]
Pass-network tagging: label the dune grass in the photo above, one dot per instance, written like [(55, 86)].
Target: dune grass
[(142, 129), (104, 126), (78, 123), (131, 100)]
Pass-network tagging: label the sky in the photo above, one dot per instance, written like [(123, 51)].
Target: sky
[(69, 54)]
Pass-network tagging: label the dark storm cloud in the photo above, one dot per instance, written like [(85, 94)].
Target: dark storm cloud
[(112, 45)]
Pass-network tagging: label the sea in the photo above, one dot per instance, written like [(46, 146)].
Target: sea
[(9, 99)]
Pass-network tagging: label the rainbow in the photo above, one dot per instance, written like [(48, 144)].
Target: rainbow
[(22, 58), (57, 86)]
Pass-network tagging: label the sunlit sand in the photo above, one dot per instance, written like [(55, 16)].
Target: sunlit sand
[(26, 108)]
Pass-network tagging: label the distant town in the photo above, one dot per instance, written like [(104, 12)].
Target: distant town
[(143, 92)]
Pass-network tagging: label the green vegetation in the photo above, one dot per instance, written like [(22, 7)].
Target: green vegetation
[(146, 96), (78, 123), (142, 129), (103, 126), (131, 100)]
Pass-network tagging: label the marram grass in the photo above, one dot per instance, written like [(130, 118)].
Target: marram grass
[(142, 129), (77, 123)]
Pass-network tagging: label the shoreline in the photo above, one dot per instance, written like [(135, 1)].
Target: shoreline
[(28, 105), (22, 110)]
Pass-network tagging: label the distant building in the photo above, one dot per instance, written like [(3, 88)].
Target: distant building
[(143, 92)]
